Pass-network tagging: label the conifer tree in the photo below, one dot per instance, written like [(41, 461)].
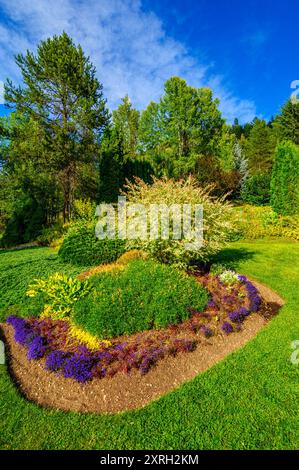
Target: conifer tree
[(62, 94), (285, 179)]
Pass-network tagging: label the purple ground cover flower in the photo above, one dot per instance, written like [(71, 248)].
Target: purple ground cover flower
[(227, 327), (38, 348), (55, 360), (254, 297), (242, 279), (238, 316), (23, 332), (206, 331), (78, 367)]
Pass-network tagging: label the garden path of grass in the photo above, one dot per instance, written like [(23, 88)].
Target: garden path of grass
[(248, 401)]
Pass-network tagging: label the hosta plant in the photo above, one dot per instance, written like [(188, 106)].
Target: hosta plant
[(60, 293)]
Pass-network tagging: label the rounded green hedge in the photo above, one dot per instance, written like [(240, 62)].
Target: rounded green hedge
[(143, 296), (81, 247)]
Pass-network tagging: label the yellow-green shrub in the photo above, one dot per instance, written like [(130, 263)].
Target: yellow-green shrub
[(255, 222), (59, 293)]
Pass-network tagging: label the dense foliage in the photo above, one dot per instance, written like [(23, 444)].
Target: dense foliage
[(144, 295), (285, 180), (256, 189), (81, 247)]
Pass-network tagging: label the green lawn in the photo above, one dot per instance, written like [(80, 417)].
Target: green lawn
[(248, 401)]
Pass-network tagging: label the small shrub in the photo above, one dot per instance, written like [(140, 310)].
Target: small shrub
[(219, 268), (256, 189), (144, 295), (259, 222), (60, 293), (228, 278), (83, 209), (50, 235), (81, 247)]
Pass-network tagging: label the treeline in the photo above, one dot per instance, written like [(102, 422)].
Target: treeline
[(60, 144)]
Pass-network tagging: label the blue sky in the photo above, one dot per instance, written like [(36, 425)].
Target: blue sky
[(246, 51)]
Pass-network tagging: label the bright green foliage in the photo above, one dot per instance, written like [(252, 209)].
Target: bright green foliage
[(183, 125), (217, 223), (287, 123), (60, 293), (81, 247), (144, 295), (285, 179), (83, 209), (18, 269), (260, 147), (256, 189)]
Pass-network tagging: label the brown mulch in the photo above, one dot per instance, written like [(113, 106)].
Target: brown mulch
[(129, 391)]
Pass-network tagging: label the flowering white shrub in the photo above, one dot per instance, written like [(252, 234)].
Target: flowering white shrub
[(216, 222), (229, 277)]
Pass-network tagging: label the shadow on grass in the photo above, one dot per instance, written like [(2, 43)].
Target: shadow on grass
[(233, 256)]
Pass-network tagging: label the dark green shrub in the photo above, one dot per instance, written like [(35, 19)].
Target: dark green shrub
[(50, 234), (144, 295), (81, 247), (25, 225), (256, 190), (285, 179)]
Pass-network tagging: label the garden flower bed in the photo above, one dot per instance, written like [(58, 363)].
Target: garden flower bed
[(57, 369)]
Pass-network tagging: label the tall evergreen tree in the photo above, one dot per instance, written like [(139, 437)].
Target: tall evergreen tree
[(259, 147), (63, 96), (285, 179), (125, 124), (286, 123)]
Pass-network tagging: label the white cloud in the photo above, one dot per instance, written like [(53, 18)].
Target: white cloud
[(129, 47)]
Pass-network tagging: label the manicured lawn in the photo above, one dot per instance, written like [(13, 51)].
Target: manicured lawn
[(248, 401)]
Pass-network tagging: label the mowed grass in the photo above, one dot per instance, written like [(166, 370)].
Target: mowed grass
[(248, 401), (19, 267)]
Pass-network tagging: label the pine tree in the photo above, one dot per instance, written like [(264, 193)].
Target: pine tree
[(260, 147), (62, 94), (125, 124), (287, 123)]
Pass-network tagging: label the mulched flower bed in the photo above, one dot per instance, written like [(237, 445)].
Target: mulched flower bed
[(228, 308)]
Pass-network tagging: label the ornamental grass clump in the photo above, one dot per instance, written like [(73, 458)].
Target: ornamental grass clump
[(217, 220)]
